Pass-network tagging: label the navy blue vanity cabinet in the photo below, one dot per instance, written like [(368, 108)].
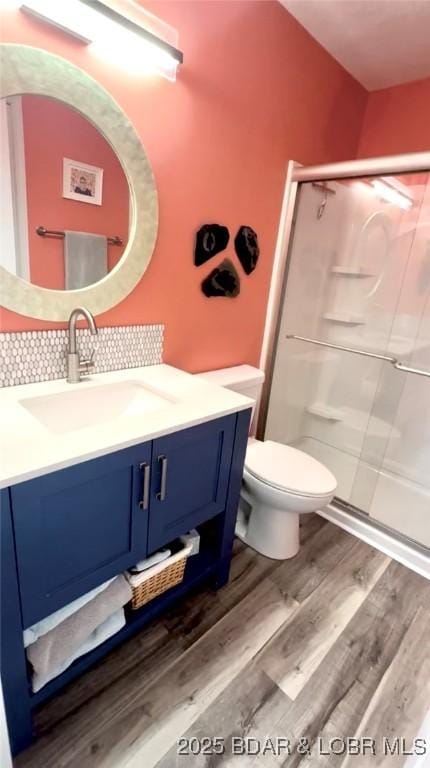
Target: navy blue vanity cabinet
[(190, 474), (77, 527), (66, 532)]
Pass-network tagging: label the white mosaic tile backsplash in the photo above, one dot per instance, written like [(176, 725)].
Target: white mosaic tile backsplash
[(31, 356)]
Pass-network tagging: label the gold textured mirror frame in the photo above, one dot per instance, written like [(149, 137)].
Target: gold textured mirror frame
[(31, 70)]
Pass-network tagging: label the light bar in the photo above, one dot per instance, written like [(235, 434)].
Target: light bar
[(64, 15), (109, 34)]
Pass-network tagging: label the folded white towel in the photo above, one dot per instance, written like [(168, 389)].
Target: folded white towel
[(157, 557), (135, 579), (107, 629), (45, 625)]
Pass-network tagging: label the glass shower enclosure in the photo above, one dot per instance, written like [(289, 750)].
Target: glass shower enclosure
[(351, 369)]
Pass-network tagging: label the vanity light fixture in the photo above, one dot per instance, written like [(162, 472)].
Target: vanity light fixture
[(389, 191), (110, 34)]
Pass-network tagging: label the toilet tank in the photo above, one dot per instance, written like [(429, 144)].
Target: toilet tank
[(244, 379)]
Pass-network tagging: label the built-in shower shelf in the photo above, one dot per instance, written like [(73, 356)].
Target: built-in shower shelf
[(327, 412), (344, 318), (346, 271)]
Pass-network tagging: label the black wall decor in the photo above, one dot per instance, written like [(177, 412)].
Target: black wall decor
[(210, 240), (222, 281), (247, 248)]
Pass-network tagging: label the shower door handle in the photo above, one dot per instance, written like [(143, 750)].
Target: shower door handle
[(394, 362), (353, 350), (408, 369)]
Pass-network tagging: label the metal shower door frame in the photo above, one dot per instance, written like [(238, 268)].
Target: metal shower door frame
[(296, 173)]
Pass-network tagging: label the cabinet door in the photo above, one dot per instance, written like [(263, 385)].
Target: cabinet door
[(78, 527), (194, 467)]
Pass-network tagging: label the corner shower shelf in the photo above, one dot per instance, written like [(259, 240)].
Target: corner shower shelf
[(346, 271), (344, 318), (327, 412)]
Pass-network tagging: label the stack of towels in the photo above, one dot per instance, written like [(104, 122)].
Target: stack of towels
[(55, 642)]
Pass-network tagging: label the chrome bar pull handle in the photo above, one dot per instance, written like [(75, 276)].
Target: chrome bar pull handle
[(353, 350), (408, 369), (393, 360), (161, 495), (146, 475)]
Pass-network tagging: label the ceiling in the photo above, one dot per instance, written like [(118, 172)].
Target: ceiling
[(380, 42)]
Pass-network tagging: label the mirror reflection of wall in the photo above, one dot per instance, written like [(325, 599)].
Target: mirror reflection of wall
[(40, 186)]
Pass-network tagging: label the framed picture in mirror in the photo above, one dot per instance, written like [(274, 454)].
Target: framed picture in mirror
[(82, 182)]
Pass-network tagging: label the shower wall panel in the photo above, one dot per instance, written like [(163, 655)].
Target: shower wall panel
[(359, 276)]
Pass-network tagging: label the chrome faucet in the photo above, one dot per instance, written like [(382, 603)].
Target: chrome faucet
[(76, 368)]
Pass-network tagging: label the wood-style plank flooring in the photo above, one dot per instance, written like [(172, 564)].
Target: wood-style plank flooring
[(330, 645)]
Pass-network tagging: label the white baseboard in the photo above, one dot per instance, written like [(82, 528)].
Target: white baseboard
[(410, 556)]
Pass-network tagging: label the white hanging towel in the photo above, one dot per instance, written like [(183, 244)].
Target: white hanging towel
[(85, 259)]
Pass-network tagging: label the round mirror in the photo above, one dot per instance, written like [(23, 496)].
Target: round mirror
[(79, 212), (70, 227)]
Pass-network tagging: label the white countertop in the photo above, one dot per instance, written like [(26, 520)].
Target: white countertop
[(29, 449)]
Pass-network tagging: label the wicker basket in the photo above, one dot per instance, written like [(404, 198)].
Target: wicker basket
[(159, 578)]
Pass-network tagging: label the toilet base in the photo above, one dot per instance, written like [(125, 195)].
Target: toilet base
[(278, 539)]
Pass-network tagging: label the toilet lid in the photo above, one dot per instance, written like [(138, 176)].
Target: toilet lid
[(288, 469)]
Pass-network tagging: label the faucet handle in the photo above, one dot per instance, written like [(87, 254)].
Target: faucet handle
[(86, 366)]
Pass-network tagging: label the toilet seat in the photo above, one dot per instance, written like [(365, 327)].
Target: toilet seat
[(289, 470)]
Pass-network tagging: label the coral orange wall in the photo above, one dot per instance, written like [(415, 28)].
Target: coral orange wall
[(53, 131), (255, 90), (397, 120)]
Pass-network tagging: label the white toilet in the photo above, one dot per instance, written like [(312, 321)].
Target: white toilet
[(279, 482)]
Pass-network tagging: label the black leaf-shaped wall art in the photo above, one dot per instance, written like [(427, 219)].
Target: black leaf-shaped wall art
[(222, 281), (247, 248), (210, 240)]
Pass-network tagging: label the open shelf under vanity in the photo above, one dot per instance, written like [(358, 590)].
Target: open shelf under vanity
[(199, 570)]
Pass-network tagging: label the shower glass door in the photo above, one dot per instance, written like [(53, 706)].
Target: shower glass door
[(359, 277)]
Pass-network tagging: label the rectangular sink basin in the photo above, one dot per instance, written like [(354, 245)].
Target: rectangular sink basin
[(86, 407)]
